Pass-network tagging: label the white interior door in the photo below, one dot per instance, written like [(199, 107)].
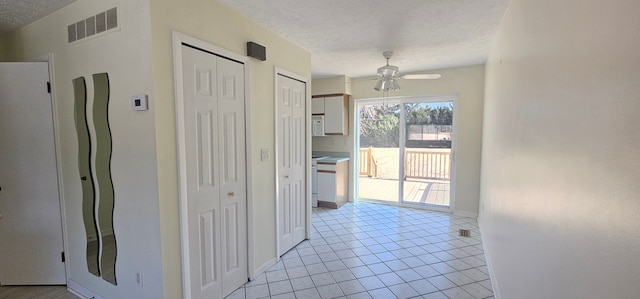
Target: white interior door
[(30, 220), (292, 199), (216, 173)]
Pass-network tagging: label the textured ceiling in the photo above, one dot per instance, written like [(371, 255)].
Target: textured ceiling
[(17, 13), (347, 37)]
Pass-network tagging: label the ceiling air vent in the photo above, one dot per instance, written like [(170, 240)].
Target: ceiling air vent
[(465, 233), (112, 18), (81, 30), (91, 25), (72, 32), (97, 24)]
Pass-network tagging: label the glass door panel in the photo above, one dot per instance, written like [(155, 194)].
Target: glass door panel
[(428, 128), (379, 153)]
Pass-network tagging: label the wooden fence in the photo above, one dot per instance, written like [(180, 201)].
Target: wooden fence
[(368, 164), (418, 164), (427, 165)]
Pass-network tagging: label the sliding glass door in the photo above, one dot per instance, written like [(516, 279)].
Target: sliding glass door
[(405, 150)]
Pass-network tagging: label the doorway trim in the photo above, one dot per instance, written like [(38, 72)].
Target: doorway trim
[(178, 39), (49, 59), (453, 97), (306, 81)]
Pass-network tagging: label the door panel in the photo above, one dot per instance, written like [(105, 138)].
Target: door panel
[(298, 168), (216, 173), (233, 186), (30, 221), (285, 169), (292, 200), (201, 113)]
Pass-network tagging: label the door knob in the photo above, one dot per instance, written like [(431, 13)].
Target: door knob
[(286, 176), (232, 194), (84, 178)]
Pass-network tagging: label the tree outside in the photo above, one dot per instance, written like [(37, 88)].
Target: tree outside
[(428, 122)]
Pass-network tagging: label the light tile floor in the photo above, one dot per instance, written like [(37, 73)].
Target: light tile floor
[(367, 250)]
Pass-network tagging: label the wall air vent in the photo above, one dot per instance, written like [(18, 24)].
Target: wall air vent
[(102, 22), (465, 233)]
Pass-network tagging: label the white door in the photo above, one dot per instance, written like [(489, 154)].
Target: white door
[(292, 199), (216, 173), (30, 221)]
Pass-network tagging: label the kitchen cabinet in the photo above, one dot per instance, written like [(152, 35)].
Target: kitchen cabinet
[(333, 184), (336, 113), (317, 106)]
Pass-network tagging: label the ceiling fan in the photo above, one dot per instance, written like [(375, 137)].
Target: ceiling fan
[(388, 75)]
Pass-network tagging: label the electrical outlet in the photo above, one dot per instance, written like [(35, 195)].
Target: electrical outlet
[(264, 154), (139, 278)]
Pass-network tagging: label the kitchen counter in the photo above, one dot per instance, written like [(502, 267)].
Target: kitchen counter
[(331, 160)]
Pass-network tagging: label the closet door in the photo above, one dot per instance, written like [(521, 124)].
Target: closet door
[(216, 176), (233, 186), (292, 200)]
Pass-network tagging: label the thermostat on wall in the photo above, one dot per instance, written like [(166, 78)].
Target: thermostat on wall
[(139, 102)]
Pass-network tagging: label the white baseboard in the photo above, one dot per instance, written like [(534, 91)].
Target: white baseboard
[(492, 275), (80, 291), (465, 214), (263, 268)]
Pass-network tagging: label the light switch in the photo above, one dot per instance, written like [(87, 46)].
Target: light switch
[(264, 154), (139, 102)]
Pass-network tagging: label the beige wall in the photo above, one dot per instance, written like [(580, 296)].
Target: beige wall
[(5, 43), (124, 55), (209, 21), (332, 85), (560, 161), (468, 83)]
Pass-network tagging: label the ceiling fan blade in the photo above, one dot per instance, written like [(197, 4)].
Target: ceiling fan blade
[(420, 76)]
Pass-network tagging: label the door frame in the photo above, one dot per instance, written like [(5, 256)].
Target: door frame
[(48, 57), (453, 97), (178, 39), (280, 71)]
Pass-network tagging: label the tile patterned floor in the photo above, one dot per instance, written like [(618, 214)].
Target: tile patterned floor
[(366, 250)]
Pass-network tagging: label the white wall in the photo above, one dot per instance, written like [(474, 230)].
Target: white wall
[(218, 25), (468, 83), (125, 56), (560, 165)]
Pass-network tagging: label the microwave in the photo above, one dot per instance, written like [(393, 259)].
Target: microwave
[(317, 125)]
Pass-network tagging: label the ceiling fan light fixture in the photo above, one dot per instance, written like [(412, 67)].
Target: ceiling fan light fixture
[(388, 70), (388, 76), (379, 85), (386, 84), (395, 85)]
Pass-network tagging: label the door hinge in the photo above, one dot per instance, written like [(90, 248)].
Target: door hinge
[(49, 87), (62, 256)]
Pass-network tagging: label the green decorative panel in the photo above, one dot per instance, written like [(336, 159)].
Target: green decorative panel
[(86, 180), (103, 175)]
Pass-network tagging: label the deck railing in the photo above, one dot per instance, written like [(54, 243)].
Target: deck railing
[(427, 165), (368, 165)]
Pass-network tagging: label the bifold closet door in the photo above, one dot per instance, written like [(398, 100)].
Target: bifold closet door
[(216, 173)]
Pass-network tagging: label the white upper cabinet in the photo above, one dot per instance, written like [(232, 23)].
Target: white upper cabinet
[(317, 106), (336, 113)]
